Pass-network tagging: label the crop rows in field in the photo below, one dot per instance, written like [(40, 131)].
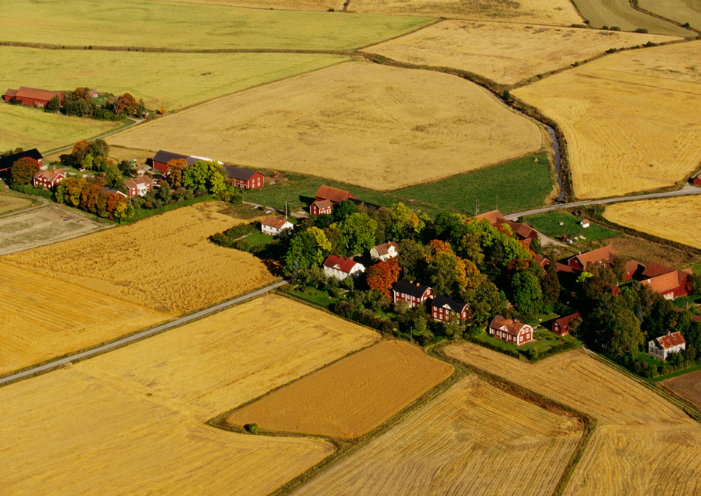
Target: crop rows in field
[(682, 11), (474, 439), (350, 397), (621, 14), (636, 426)]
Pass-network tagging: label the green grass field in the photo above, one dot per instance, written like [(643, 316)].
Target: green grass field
[(140, 23), (455, 194), (549, 224), (174, 81), (28, 127), (620, 13), (258, 238)]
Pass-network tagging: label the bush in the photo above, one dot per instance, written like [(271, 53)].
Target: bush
[(31, 190), (533, 354), (687, 25), (615, 28), (426, 338), (641, 30), (251, 428)]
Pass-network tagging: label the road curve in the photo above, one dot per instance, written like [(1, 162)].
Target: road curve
[(140, 335), (686, 190)]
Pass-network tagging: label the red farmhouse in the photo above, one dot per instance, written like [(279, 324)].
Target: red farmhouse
[(321, 207), (6, 162), (48, 179), (562, 325), (161, 159), (244, 178), (32, 96), (442, 308), (326, 194), (411, 292), (511, 331), (138, 186), (667, 281)]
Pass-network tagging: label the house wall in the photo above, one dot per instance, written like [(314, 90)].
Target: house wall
[(160, 166)]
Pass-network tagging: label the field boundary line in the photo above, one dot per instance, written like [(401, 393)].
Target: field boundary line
[(635, 6), (101, 348), (589, 423), (109, 133)]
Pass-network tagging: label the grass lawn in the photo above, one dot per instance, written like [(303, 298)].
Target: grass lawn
[(142, 23), (696, 268), (545, 340), (258, 238), (27, 127), (173, 81), (312, 295), (549, 224), (455, 194), (687, 370), (683, 301)]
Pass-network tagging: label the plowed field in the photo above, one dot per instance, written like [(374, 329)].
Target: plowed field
[(218, 363), (554, 12), (474, 439), (661, 218), (164, 262), (365, 124), (71, 433), (687, 386), (350, 397), (630, 119), (506, 53), (640, 438)]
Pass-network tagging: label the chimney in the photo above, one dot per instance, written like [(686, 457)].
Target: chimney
[(411, 282), (417, 284)]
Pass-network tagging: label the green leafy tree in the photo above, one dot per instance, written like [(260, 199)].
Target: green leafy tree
[(359, 232), (447, 274), (54, 104), (527, 292), (343, 210), (337, 241), (411, 258), (404, 222), (485, 301), (307, 249)]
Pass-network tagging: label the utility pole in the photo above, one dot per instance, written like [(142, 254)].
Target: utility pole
[(477, 207), (285, 209), (497, 202)]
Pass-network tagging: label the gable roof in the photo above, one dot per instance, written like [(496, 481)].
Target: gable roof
[(512, 327), (494, 217), (333, 194), (133, 182), (340, 263), (541, 260), (51, 175), (603, 254), (522, 229), (632, 266), (670, 340), (37, 94), (654, 269), (414, 289), (274, 222), (10, 92), (665, 282), (165, 157), (441, 301), (239, 173), (6, 162), (564, 321), (383, 249), (322, 204)]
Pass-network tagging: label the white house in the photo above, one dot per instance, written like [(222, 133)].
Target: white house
[(340, 267), (272, 226), (584, 223), (672, 342), (385, 251)]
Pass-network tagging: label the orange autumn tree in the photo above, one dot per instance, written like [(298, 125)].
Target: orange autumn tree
[(125, 103), (382, 276), (174, 170), (437, 246)]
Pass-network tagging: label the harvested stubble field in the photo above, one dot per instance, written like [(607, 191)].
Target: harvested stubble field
[(28, 127), (660, 218), (645, 251), (505, 53), (552, 12), (350, 397), (365, 124), (687, 386), (620, 13), (271, 4), (640, 438), (26, 230), (176, 81), (218, 363), (682, 11), (147, 24), (43, 317), (79, 434), (473, 439), (165, 262), (630, 119), (12, 203)]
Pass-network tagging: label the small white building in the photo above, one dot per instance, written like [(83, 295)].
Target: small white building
[(340, 267), (672, 342), (272, 226), (385, 251), (584, 223)]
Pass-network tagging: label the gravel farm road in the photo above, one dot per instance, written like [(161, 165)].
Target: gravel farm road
[(135, 337)]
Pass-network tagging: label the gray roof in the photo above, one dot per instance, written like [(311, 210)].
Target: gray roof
[(238, 172), (164, 157), (6, 162), (411, 288), (441, 301)]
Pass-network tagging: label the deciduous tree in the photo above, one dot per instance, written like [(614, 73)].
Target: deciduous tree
[(359, 232), (125, 104), (446, 273), (382, 276), (174, 172), (23, 170)]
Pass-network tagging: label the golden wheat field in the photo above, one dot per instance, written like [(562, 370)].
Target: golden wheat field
[(350, 397), (630, 119), (640, 438), (473, 439), (361, 123), (661, 218), (682, 11), (218, 363), (553, 12), (506, 53), (69, 432), (43, 317), (270, 4), (165, 262)]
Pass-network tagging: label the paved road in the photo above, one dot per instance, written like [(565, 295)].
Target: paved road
[(140, 335), (686, 190)]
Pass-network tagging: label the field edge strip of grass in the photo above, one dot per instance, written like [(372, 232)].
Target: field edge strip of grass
[(588, 422)]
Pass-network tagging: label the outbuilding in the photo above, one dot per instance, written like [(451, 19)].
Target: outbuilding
[(561, 326), (244, 178), (161, 158), (272, 226), (6, 162), (672, 342), (32, 96)]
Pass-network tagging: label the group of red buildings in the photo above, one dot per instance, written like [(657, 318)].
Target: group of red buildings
[(32, 96)]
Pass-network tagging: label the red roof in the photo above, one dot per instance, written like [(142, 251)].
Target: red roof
[(383, 249), (542, 261), (10, 93), (494, 217), (340, 263), (523, 230), (322, 204), (333, 194), (51, 175), (666, 282), (274, 222), (564, 268), (36, 94), (564, 321), (604, 254), (671, 340), (132, 183), (513, 327), (653, 269)]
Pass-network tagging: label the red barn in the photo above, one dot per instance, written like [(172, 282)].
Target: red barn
[(600, 256), (326, 198), (48, 179), (6, 162), (562, 325), (161, 158), (442, 308), (412, 292), (244, 178), (696, 180), (32, 96), (321, 207), (511, 331)]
